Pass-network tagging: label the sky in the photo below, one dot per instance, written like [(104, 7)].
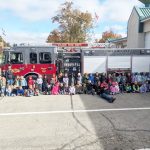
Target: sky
[(29, 21)]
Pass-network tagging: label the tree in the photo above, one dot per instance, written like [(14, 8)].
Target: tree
[(54, 37), (73, 24), (5, 44), (109, 35)]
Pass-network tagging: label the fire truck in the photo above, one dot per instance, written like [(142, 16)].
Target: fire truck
[(30, 60), (73, 58), (115, 60)]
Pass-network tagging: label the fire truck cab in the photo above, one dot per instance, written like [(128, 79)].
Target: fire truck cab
[(30, 60)]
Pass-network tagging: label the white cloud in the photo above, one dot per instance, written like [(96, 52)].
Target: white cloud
[(109, 10), (118, 10), (124, 34), (115, 28), (38, 10), (33, 10), (26, 37)]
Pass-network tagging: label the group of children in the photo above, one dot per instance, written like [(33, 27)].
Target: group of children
[(64, 84)]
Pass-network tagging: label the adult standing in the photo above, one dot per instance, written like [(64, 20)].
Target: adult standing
[(9, 76)]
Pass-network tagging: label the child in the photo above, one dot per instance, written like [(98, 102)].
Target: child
[(114, 88), (143, 88), (0, 72), (55, 89), (3, 86), (72, 89), (66, 80), (31, 83), (71, 79), (30, 92), (135, 88), (14, 90), (84, 88), (60, 77), (17, 81), (90, 89), (36, 92), (85, 78), (8, 90), (52, 83), (39, 83), (128, 88), (91, 78), (0, 85), (66, 89), (79, 78), (23, 82), (61, 89), (104, 86), (20, 91), (123, 81), (79, 88), (45, 85)]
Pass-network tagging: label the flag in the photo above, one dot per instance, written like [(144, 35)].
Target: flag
[(3, 32), (96, 16)]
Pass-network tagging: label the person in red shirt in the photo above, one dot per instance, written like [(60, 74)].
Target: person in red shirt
[(104, 85), (31, 83)]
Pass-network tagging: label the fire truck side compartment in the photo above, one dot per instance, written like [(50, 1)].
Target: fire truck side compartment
[(104, 60)]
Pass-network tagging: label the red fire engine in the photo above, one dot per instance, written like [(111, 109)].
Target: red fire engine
[(30, 60)]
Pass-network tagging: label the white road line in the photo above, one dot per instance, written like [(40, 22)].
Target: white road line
[(144, 149), (73, 111)]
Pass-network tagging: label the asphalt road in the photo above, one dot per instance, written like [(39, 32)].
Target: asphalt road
[(80, 122)]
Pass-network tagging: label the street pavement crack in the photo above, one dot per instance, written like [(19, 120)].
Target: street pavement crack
[(123, 130), (75, 117)]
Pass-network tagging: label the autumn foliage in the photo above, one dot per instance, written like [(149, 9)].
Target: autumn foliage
[(73, 25), (109, 35)]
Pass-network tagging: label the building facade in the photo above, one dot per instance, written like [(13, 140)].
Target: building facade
[(138, 35), (118, 43)]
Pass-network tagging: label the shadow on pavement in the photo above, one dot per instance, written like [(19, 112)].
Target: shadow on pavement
[(119, 130)]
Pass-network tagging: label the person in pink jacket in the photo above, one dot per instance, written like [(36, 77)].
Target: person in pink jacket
[(55, 89), (114, 88)]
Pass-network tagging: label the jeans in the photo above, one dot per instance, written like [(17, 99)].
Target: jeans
[(107, 97), (3, 90), (10, 82), (8, 93), (40, 87), (91, 91)]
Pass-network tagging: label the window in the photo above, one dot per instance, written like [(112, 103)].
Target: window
[(45, 57), (33, 58), (16, 58)]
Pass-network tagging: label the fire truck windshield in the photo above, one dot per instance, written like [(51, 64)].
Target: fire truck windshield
[(16, 58)]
